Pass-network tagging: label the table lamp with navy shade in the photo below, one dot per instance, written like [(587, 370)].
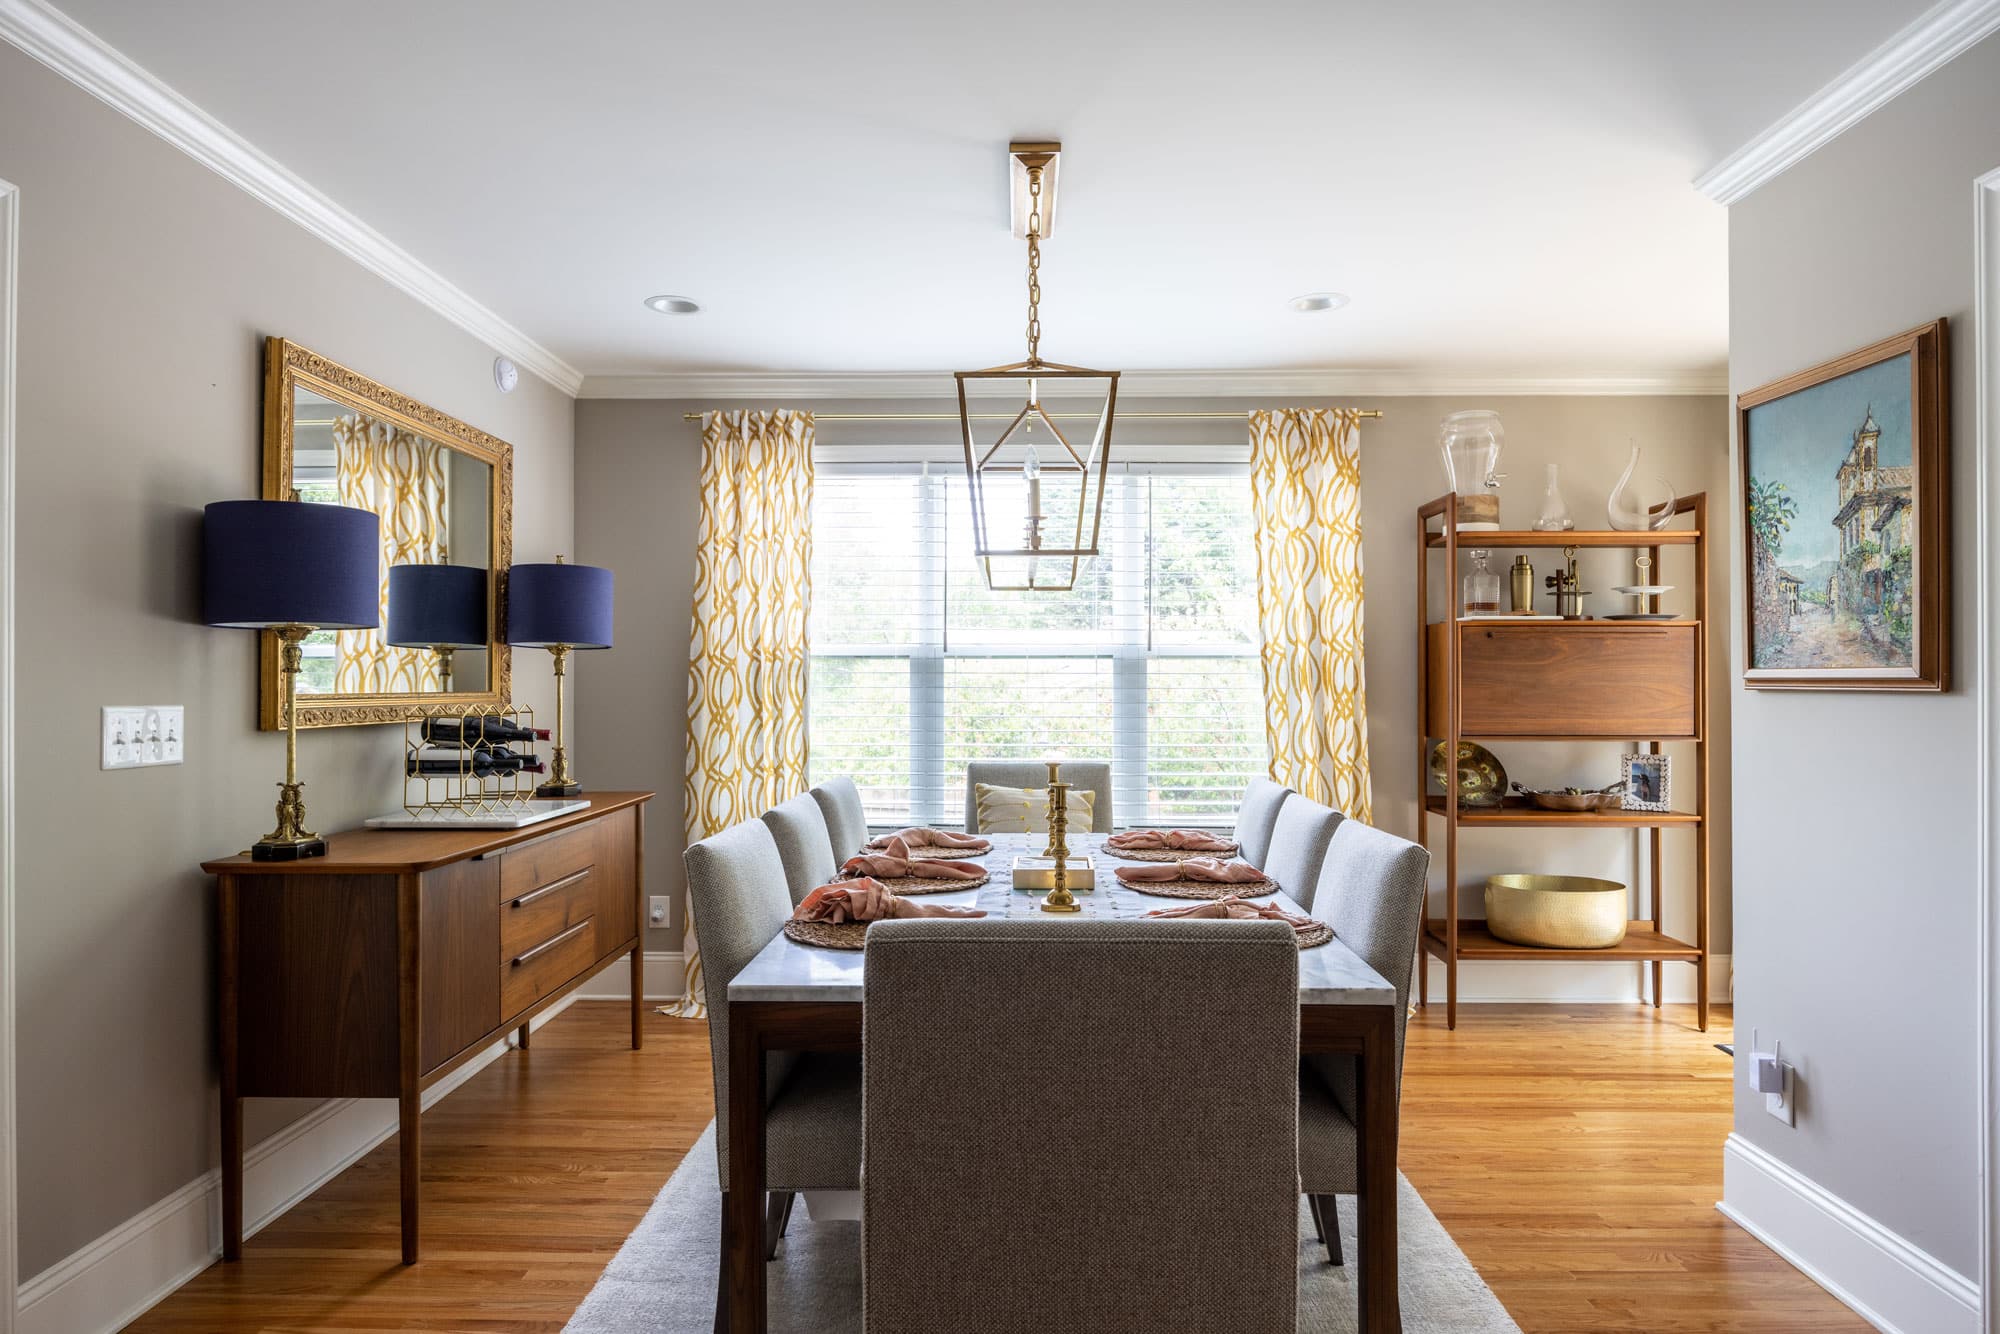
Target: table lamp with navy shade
[(438, 607), (559, 607), (291, 568)]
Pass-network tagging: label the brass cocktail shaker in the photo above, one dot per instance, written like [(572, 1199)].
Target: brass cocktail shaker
[(1521, 579)]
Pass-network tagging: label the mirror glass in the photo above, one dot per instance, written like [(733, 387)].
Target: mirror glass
[(435, 504)]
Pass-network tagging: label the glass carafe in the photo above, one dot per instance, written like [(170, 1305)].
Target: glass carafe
[(1638, 504), (1554, 517), (1482, 587)]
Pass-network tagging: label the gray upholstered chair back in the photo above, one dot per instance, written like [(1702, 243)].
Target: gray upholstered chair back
[(736, 892), (1371, 892), (1125, 1116), (1093, 776), (1257, 816), (1298, 844), (798, 827), (846, 821)]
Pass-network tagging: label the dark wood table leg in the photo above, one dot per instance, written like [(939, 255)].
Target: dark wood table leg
[(1376, 1287), (409, 1100), (743, 1226), (521, 1037), (639, 991), (232, 1103)]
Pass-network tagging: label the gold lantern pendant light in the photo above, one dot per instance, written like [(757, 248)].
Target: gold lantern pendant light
[(1052, 547)]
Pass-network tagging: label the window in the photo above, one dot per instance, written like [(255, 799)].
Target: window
[(917, 667)]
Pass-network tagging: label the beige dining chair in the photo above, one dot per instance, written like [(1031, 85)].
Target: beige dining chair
[(1299, 840), (812, 1117), (798, 827), (1034, 1090), (1256, 817), (846, 820), (1371, 891), (1092, 776)]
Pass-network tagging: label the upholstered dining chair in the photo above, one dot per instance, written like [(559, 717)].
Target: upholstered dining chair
[(1092, 776), (1371, 891), (736, 890), (996, 1139), (798, 827), (1257, 816), (1299, 840), (846, 821)]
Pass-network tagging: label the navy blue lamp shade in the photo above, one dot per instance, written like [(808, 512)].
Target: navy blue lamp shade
[(559, 604), (285, 562), (437, 606)]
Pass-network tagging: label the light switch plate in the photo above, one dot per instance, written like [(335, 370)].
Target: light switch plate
[(138, 736)]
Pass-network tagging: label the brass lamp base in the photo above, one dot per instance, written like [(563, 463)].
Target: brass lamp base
[(290, 850), (552, 789)]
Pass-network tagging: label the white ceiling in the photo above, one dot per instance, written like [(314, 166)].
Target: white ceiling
[(1502, 188)]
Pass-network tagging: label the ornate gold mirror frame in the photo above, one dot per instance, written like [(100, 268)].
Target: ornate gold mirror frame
[(288, 368)]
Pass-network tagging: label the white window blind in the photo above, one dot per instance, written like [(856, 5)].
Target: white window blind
[(1151, 661)]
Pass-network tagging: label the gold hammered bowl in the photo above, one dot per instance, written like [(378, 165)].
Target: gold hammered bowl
[(1564, 912)]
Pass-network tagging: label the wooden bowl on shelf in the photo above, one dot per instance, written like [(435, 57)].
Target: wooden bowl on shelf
[(1561, 912)]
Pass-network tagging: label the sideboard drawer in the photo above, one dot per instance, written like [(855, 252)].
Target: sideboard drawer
[(1617, 681), (528, 919), (542, 969), (547, 860)]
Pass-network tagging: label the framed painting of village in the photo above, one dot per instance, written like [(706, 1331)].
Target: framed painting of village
[(1846, 497)]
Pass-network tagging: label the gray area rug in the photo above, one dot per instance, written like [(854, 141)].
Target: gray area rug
[(663, 1278)]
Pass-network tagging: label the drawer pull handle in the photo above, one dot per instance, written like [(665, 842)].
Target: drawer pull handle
[(563, 883), (550, 943)]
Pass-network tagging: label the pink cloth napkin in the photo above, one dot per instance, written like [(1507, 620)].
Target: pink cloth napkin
[(1179, 840), (866, 900), (1212, 869), (933, 838), (1241, 910), (898, 860)]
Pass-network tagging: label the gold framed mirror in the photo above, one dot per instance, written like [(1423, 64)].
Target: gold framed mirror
[(445, 494)]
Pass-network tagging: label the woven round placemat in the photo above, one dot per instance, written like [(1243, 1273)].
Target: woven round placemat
[(913, 884), (1316, 934), (1202, 889), (828, 935), (1166, 854)]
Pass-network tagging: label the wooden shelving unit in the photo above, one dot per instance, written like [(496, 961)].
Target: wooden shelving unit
[(1636, 682)]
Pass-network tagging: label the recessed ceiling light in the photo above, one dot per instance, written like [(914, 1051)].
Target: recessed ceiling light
[(1317, 301), (673, 305)]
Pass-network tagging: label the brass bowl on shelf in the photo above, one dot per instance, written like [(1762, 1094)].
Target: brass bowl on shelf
[(1561, 912), (1481, 779)]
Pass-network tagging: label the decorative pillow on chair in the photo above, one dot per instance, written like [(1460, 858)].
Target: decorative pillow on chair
[(1018, 810)]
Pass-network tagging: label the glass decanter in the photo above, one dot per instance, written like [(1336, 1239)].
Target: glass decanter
[(1642, 504), (1482, 587), (1554, 517)]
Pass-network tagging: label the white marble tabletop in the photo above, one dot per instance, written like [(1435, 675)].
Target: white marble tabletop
[(1329, 974)]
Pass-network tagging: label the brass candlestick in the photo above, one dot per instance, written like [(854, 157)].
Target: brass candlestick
[(1059, 898)]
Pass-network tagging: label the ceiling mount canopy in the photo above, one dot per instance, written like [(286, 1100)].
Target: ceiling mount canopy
[(1058, 501)]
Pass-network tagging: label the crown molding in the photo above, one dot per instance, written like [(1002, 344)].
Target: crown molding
[(1938, 36), (86, 60), (1148, 384)]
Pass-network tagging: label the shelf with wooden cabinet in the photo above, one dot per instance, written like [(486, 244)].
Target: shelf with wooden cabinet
[(1544, 679)]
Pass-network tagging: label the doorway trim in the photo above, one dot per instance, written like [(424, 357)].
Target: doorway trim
[(10, 1248), (1986, 337)]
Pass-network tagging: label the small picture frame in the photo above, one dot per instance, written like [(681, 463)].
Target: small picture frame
[(1648, 785)]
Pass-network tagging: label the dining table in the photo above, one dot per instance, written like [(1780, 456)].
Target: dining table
[(797, 997)]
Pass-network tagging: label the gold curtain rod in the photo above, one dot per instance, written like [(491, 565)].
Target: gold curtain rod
[(1366, 414)]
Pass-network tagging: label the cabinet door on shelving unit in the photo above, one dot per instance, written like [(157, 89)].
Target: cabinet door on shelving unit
[(1613, 681)]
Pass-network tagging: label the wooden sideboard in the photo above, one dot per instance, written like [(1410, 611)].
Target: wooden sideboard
[(378, 969)]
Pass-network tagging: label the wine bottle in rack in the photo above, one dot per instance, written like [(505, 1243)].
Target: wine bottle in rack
[(478, 727), (494, 762)]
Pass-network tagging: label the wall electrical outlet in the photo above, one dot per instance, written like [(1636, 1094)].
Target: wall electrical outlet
[(138, 736), (657, 910), (1780, 1103)]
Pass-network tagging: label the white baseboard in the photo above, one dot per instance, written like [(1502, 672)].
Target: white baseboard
[(663, 979), (1890, 1283), (111, 1281), (1575, 983)]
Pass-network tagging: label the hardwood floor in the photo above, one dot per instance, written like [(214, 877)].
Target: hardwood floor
[(1576, 1155)]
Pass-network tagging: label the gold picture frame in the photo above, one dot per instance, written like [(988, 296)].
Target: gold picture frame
[(289, 367)]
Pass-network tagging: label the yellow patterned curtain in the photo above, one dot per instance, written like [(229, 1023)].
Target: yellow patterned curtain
[(1305, 487), (746, 728), (398, 476)]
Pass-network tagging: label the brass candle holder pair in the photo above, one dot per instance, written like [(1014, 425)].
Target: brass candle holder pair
[(1059, 899)]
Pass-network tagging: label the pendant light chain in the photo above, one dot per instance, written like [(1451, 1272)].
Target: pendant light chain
[(1034, 266)]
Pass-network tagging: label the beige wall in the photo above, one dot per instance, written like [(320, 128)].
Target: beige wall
[(147, 287), (636, 463), (1858, 813)]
